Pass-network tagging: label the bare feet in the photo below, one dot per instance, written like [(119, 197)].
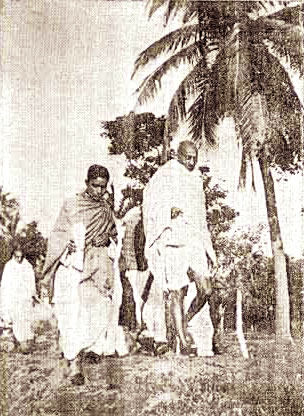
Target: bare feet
[(73, 370)]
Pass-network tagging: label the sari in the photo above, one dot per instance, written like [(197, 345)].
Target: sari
[(86, 298)]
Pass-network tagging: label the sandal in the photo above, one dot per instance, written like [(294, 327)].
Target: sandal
[(78, 379), (160, 348), (189, 350)]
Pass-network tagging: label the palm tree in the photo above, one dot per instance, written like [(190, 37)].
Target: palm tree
[(238, 54)]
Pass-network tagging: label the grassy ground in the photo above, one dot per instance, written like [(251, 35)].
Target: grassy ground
[(269, 383)]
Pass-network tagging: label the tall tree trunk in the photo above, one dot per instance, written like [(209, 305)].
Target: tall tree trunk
[(282, 322), (239, 323), (166, 143)]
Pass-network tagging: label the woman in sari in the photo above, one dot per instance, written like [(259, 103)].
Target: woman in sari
[(81, 276)]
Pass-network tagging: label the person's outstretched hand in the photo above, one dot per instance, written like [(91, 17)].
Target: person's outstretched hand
[(175, 212)]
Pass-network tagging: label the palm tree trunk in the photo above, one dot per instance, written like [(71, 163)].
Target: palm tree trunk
[(282, 323), (166, 143), (239, 324)]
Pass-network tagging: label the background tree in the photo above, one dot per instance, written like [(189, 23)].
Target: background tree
[(237, 59), (32, 242), (134, 134)]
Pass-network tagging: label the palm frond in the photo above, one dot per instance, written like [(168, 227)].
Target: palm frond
[(289, 14), (269, 118), (216, 96), (151, 83), (188, 88), (198, 119), (172, 7), (155, 5), (278, 86), (251, 119), (285, 39), (285, 111), (209, 107), (169, 43), (191, 11)]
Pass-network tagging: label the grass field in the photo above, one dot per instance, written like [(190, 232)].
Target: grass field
[(269, 383)]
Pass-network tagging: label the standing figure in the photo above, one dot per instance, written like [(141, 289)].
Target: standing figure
[(132, 265), (178, 242), (16, 299), (80, 274)]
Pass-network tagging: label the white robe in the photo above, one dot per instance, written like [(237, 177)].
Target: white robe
[(173, 186), (16, 292), (173, 245)]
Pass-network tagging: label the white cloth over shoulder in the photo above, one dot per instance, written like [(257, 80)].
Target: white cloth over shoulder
[(16, 292), (174, 245)]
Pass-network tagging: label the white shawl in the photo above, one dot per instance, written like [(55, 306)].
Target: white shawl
[(174, 186)]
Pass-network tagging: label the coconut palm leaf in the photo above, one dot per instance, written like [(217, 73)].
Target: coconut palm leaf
[(188, 88), (285, 113), (220, 9), (216, 92), (277, 85), (210, 105), (155, 5), (262, 102), (292, 15), (169, 43), (173, 6), (190, 55), (201, 120), (286, 40)]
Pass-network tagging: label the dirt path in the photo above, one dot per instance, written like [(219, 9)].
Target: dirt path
[(271, 382)]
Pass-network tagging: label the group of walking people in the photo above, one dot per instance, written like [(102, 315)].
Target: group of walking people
[(87, 257)]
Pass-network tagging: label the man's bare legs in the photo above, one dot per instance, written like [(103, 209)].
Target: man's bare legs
[(178, 315), (214, 300), (196, 305), (203, 292)]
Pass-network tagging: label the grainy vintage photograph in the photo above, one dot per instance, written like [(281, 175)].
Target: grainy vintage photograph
[(151, 208)]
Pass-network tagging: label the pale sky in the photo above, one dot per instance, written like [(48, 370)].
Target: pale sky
[(66, 65)]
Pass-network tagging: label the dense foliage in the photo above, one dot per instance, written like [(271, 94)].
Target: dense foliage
[(14, 233), (134, 134)]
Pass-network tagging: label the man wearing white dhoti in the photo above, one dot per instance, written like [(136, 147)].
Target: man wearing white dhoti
[(87, 291), (16, 299), (178, 243), (132, 263)]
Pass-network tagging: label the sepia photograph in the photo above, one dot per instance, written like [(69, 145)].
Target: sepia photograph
[(152, 208)]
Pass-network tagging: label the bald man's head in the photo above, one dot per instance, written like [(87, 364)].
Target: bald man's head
[(187, 154)]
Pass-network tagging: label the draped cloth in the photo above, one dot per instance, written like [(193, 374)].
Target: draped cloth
[(16, 303), (86, 301), (174, 244)]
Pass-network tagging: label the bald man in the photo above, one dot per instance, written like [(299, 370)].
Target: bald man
[(178, 243)]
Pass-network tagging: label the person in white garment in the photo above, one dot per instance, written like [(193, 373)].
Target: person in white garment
[(17, 293), (133, 267), (80, 271), (178, 243)]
